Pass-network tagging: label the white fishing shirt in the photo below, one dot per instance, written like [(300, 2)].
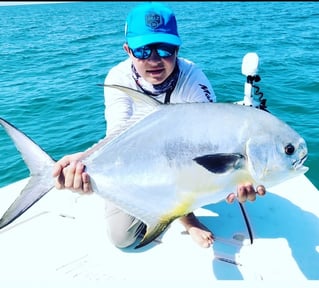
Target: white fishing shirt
[(192, 86)]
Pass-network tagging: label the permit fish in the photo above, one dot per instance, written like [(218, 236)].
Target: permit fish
[(170, 159)]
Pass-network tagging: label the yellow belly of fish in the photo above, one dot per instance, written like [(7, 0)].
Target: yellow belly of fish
[(193, 182)]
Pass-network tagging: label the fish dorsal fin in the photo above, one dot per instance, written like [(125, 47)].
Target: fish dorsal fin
[(140, 99), (144, 106)]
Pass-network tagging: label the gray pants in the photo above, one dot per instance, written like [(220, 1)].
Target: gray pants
[(123, 229)]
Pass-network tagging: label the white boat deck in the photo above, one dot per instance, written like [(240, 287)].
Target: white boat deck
[(62, 239)]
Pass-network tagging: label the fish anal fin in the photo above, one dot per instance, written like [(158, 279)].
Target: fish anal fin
[(152, 232), (221, 162)]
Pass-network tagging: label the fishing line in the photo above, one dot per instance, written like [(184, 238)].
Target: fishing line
[(246, 222)]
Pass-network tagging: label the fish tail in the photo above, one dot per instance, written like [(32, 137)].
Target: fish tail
[(40, 165)]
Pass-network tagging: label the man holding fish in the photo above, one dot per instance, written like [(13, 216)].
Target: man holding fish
[(152, 44)]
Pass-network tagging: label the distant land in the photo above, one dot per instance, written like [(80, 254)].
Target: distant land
[(14, 3)]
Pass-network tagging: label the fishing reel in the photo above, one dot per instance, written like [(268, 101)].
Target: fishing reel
[(250, 69)]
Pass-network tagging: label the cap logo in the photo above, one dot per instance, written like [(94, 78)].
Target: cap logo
[(153, 20)]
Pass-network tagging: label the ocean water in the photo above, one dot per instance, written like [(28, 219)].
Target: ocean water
[(53, 57)]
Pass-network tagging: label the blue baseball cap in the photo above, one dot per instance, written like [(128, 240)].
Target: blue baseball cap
[(151, 23)]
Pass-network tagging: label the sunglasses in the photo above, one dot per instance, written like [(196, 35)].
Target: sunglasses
[(162, 50)]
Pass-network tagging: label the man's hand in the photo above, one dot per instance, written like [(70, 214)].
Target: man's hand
[(70, 174), (246, 192)]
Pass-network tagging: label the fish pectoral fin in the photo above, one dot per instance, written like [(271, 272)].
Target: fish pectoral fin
[(152, 232), (221, 162)]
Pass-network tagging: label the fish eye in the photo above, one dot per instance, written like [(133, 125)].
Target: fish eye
[(289, 149)]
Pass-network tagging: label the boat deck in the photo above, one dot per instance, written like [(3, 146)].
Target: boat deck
[(62, 238)]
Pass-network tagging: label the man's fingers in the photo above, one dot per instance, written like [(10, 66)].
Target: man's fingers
[(69, 175), (60, 165), (261, 190), (251, 193), (86, 183), (246, 192), (77, 180), (241, 193), (59, 181), (231, 198)]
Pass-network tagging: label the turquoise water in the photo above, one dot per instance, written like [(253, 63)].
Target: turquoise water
[(54, 56)]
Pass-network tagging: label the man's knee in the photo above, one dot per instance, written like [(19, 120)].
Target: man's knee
[(121, 239)]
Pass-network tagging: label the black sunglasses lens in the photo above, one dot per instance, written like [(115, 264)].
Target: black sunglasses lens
[(166, 50), (142, 52), (162, 50)]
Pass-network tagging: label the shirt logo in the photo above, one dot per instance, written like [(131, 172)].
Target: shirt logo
[(153, 20), (206, 91)]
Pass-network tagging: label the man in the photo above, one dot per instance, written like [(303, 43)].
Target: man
[(153, 67)]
